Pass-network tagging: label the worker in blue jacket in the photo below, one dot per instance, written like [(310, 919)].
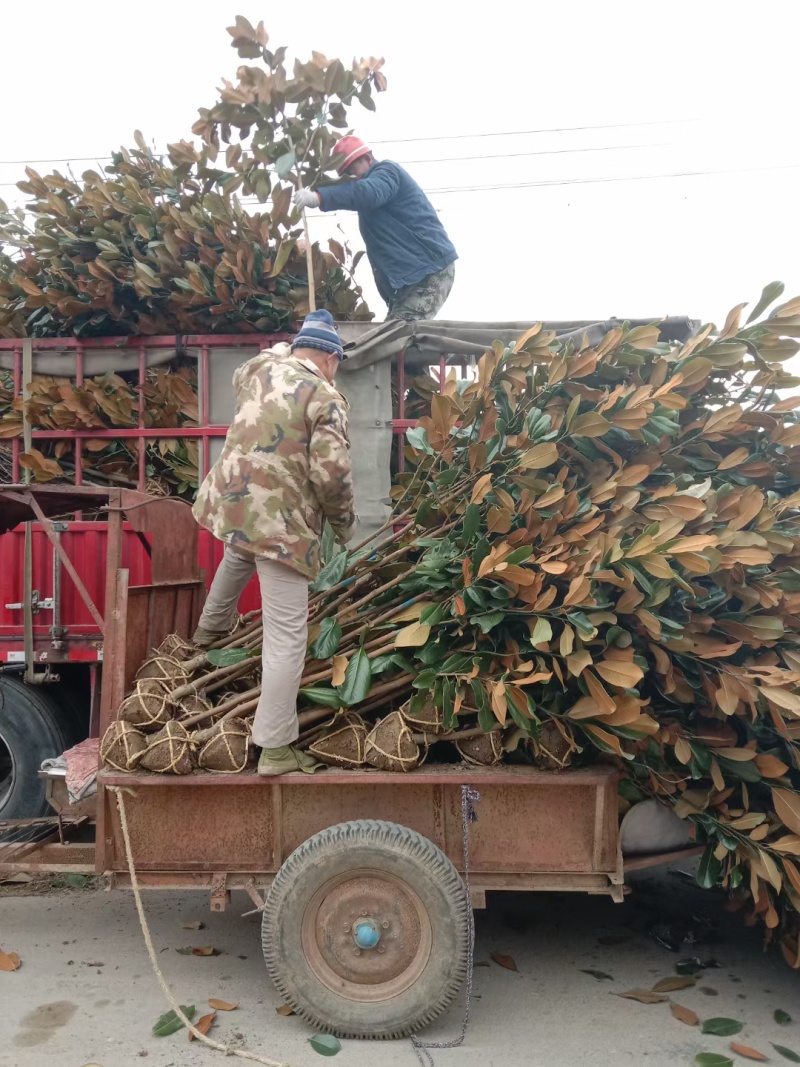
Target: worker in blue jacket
[(412, 257)]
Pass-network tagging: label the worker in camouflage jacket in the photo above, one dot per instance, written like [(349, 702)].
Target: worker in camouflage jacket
[(285, 468)]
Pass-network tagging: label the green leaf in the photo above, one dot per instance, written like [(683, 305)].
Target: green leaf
[(285, 163), (712, 1059), (357, 679), (320, 694), (787, 1053), (330, 635), (418, 439), (227, 657), (331, 574), (709, 869), (769, 293), (325, 1044), (472, 521), (432, 615), (781, 1017), (721, 1027), (486, 717), (77, 881), (169, 1023), (488, 621)]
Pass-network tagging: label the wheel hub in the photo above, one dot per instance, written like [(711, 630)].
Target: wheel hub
[(366, 935)]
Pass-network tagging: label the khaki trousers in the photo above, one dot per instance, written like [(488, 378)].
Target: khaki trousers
[(284, 609)]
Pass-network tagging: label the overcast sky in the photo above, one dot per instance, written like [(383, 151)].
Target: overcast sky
[(690, 85)]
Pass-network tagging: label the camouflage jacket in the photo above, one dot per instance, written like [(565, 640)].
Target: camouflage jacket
[(285, 466)]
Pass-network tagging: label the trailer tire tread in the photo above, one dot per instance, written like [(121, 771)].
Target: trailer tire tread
[(428, 862)]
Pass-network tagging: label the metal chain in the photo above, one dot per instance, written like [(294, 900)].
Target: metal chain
[(469, 798)]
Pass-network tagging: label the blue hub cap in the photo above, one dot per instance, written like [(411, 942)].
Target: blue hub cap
[(366, 934)]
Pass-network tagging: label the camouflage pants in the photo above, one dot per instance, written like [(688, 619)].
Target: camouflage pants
[(423, 299)]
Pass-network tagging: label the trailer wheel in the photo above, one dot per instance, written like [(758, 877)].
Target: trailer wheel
[(366, 930), (30, 731)]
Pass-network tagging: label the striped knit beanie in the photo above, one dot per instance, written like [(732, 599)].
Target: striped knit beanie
[(318, 331)]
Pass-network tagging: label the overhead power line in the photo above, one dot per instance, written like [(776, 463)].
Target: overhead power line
[(399, 140)]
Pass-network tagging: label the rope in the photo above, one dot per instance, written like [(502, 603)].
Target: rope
[(227, 1049), (469, 798)]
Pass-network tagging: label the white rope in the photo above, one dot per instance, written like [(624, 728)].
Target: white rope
[(227, 1049)]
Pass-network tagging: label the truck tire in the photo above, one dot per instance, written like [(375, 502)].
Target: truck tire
[(31, 730), (365, 930)]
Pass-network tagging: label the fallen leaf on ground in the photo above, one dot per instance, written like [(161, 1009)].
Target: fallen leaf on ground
[(721, 1027), (170, 1023), (712, 1059), (195, 924), (670, 985), (203, 1024), (684, 1015), (644, 996), (504, 961), (205, 950), (77, 881), (93, 963), (284, 1009), (9, 961), (748, 1053), (601, 976), (221, 1005), (325, 1044), (783, 1018), (787, 1053)]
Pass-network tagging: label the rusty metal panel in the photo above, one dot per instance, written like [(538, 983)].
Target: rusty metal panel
[(526, 830), (178, 828)]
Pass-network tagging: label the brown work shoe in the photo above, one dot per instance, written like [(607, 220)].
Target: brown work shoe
[(203, 638)]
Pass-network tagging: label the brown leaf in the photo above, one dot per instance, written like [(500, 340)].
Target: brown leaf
[(684, 1015), (221, 1005), (203, 1024), (670, 985), (284, 1009), (205, 950), (644, 996), (9, 961), (747, 1052), (194, 925), (787, 807), (504, 961), (413, 636)]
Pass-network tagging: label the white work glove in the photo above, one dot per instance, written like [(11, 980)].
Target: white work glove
[(304, 198)]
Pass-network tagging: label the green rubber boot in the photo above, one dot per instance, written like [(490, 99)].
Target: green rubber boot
[(203, 638), (285, 760)]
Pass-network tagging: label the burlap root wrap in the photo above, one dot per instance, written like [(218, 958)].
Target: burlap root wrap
[(165, 668), (169, 751), (390, 745), (191, 704), (344, 745), (425, 719), (175, 646), (148, 707), (226, 747), (122, 745), (485, 749)]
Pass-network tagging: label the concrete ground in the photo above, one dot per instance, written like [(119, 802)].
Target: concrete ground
[(86, 994)]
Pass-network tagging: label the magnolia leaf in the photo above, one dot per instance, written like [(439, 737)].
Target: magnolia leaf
[(670, 985), (331, 574), (325, 1044), (413, 636), (170, 1023), (504, 961), (357, 679), (712, 1059), (590, 425), (721, 1027), (787, 806), (285, 163), (221, 1005), (781, 1017), (285, 1010), (203, 1024), (643, 996), (227, 657), (601, 976), (787, 1053), (328, 640), (9, 961), (769, 294), (684, 1015), (747, 1052)]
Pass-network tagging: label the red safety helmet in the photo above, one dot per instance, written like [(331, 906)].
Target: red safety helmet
[(352, 148)]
